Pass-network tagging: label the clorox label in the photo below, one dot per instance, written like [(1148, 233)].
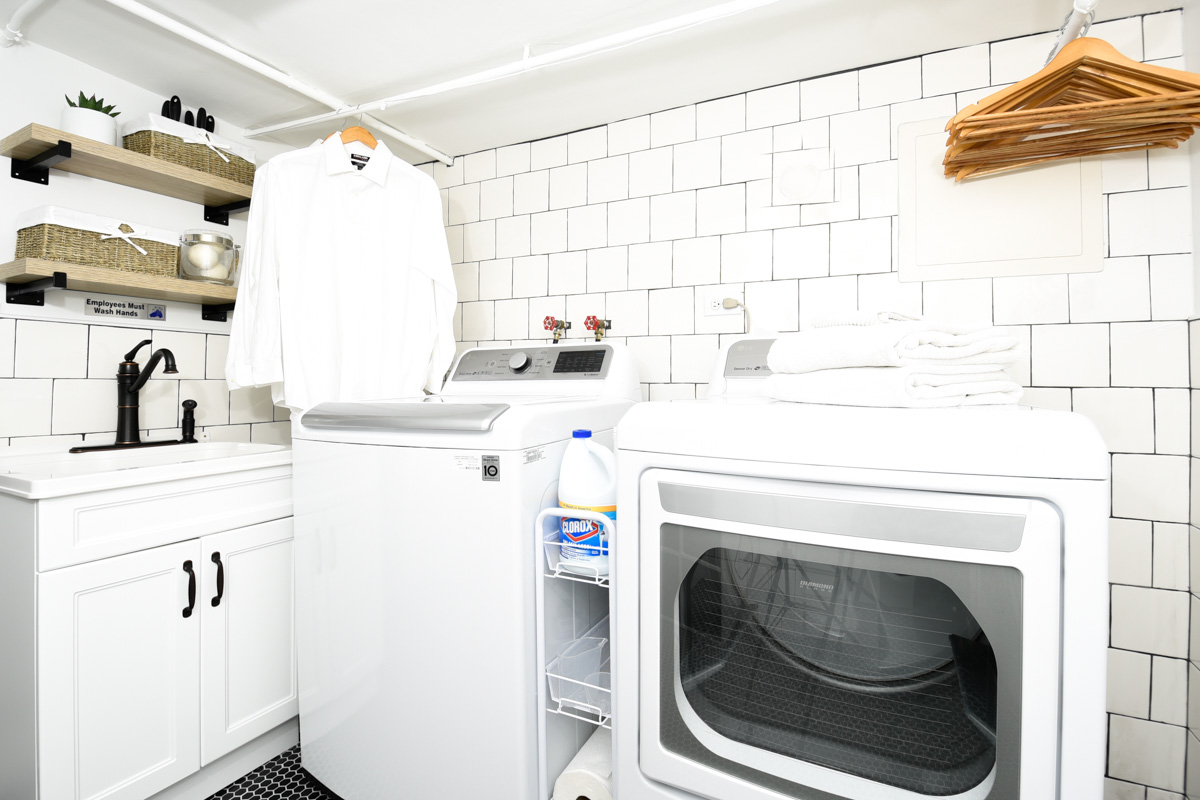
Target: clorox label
[(582, 538)]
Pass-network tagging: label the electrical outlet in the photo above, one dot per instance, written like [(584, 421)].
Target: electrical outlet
[(711, 301)]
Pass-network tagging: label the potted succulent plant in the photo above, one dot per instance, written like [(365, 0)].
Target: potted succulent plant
[(91, 118)]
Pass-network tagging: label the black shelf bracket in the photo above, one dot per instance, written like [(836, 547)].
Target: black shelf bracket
[(37, 169), (217, 312), (34, 292), (219, 215)]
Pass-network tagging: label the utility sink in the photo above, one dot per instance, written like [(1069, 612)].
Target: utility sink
[(54, 474)]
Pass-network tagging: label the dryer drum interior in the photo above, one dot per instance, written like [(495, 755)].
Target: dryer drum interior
[(885, 676)]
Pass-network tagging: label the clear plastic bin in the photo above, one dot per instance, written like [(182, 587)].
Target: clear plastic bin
[(580, 679), (598, 691)]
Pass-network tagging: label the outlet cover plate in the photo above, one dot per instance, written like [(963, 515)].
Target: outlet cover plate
[(711, 298)]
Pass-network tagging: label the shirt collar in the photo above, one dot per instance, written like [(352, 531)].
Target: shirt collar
[(337, 160)]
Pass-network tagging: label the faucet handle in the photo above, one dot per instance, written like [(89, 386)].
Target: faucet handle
[(189, 422), (597, 326), (132, 354)]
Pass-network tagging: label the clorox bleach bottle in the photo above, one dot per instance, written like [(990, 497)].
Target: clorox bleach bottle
[(587, 480)]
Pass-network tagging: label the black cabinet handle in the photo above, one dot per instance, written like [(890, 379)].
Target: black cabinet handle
[(216, 601), (187, 567)]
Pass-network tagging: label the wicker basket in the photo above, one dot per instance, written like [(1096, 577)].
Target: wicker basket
[(166, 147), (88, 248)]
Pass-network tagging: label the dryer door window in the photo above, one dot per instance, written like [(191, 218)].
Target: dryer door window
[(787, 661)]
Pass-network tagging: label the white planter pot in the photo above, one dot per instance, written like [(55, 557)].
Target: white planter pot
[(90, 123)]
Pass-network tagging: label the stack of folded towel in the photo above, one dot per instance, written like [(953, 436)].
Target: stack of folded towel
[(892, 360)]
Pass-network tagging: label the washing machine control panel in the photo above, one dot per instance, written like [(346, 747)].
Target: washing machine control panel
[(520, 361), (550, 363)]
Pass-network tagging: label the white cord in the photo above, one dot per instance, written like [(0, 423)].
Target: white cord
[(733, 302)]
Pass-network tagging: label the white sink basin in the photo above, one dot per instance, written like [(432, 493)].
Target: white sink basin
[(53, 474)]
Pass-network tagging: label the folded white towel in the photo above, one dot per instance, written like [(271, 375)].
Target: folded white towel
[(918, 386), (859, 318), (892, 344)]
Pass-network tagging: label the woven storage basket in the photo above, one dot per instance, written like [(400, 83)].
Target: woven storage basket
[(48, 239), (165, 139), (166, 147)]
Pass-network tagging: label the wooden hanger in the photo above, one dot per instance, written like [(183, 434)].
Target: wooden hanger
[(1082, 54), (1090, 99), (355, 133)]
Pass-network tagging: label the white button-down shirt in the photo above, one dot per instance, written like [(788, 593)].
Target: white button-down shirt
[(346, 291)]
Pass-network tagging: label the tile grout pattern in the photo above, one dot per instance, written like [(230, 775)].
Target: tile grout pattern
[(1192, 676), (56, 382), (636, 220), (633, 220), (278, 779)]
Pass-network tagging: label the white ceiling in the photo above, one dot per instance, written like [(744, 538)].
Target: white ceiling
[(370, 49)]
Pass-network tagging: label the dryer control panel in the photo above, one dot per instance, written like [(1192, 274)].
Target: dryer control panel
[(748, 359), (550, 363)]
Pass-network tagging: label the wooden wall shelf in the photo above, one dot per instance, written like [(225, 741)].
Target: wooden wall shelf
[(117, 165), (111, 281)]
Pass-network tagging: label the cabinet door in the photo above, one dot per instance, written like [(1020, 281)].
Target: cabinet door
[(118, 675), (248, 643)]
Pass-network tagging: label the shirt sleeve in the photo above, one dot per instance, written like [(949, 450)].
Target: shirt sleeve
[(432, 257), (255, 344)]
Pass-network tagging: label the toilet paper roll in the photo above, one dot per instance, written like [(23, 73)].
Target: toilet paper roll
[(589, 775)]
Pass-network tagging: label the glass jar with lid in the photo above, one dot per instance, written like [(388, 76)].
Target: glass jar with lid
[(208, 256)]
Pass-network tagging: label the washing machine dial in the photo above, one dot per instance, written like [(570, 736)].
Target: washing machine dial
[(519, 362)]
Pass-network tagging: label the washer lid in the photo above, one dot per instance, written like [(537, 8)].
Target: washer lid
[(415, 416), (492, 422)]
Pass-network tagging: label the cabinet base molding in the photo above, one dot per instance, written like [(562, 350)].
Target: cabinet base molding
[(228, 768)]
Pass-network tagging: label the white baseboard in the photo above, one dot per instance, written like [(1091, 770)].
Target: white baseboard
[(228, 768)]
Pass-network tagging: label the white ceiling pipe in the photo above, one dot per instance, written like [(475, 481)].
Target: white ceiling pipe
[(572, 53), (237, 56), (1076, 24), (12, 32)]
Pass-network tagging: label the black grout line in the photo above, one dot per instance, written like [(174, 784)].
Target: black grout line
[(920, 58)]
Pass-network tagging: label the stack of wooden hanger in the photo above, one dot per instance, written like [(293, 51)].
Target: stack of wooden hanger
[(1089, 100)]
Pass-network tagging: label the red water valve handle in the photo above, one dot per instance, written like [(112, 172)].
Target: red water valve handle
[(590, 323), (548, 323)]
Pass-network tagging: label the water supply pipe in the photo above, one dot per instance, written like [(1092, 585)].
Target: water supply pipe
[(1075, 25), (11, 35), (529, 63), (267, 71)]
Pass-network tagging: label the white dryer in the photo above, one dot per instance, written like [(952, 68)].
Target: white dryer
[(837, 603), (414, 570)]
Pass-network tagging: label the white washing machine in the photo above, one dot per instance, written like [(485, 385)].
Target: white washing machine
[(414, 570), (827, 603)]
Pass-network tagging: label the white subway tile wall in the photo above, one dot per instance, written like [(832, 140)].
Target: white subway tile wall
[(641, 220), (57, 380), (1192, 769), (637, 221)]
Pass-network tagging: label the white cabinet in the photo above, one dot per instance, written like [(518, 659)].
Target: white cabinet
[(127, 671), (247, 636), (118, 676)]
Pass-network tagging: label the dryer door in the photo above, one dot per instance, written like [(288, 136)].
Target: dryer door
[(840, 642)]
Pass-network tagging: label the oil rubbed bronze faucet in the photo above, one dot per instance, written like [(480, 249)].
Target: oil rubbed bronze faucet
[(130, 380)]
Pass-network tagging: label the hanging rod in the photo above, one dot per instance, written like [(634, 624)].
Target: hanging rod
[(1077, 24), (238, 57), (12, 35), (572, 53)]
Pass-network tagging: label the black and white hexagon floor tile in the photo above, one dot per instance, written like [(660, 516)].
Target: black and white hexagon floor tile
[(278, 779)]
